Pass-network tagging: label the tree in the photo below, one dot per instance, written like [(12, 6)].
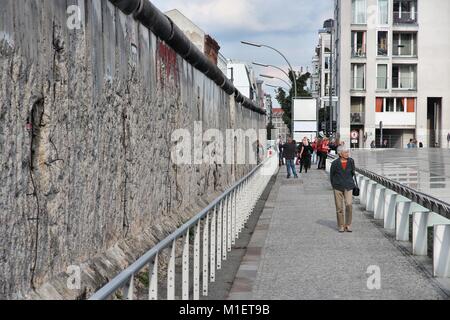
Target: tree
[(285, 100)]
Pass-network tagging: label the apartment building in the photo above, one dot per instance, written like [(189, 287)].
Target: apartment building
[(321, 73), (393, 71)]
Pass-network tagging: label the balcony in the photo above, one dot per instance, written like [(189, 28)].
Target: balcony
[(404, 83), (396, 119), (405, 17), (357, 118)]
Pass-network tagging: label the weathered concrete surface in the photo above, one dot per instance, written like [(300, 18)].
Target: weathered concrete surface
[(86, 117)]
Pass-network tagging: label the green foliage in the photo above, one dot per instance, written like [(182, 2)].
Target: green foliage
[(285, 100)]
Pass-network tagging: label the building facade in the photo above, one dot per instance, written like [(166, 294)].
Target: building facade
[(392, 71), (243, 79), (280, 127), (321, 74)]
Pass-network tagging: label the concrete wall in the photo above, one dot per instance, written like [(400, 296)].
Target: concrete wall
[(86, 118)]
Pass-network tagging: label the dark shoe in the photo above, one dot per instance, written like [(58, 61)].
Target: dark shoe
[(288, 177), (296, 177)]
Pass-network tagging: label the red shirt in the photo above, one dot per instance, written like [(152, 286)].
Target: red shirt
[(344, 164)]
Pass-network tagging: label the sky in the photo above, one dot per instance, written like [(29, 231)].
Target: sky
[(291, 26)]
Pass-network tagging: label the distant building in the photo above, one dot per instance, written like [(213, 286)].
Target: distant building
[(268, 106), (243, 78), (320, 76), (204, 42), (393, 67), (280, 127)]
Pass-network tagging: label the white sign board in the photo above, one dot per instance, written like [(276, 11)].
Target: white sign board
[(305, 109), (305, 126), (327, 99)]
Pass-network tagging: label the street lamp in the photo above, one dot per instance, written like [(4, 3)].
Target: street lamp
[(276, 87), (284, 57), (271, 66), (272, 77)]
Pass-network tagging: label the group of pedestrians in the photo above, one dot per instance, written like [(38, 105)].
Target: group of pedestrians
[(342, 171), (305, 154)]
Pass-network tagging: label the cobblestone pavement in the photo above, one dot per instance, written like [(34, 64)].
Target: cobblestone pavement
[(296, 252)]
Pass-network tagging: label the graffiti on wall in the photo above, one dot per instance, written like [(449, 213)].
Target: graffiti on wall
[(166, 64)]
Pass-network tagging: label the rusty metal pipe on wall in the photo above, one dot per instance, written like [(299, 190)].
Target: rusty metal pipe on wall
[(164, 28)]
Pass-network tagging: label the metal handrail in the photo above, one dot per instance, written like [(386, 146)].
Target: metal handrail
[(125, 278), (427, 201)]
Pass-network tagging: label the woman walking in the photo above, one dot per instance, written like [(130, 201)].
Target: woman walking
[(306, 151), (341, 175)]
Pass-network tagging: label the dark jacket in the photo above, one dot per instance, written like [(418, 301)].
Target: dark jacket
[(289, 150), (307, 151), (341, 179)]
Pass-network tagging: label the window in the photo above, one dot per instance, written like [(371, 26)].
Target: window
[(357, 110), (395, 104), (405, 44), (358, 76), (382, 43), (405, 11), (359, 11), (404, 76), (383, 12), (400, 105), (358, 44), (389, 105), (382, 76), (327, 63)]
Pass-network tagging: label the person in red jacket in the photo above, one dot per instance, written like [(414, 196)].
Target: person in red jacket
[(324, 149)]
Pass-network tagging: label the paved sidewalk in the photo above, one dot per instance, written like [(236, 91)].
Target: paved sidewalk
[(297, 253)]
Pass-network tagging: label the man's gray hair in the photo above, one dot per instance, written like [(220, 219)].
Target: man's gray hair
[(342, 149)]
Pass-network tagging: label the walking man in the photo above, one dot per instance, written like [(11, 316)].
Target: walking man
[(289, 151), (341, 175)]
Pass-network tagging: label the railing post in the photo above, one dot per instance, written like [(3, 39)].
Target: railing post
[(379, 202), (390, 203), (185, 275), (205, 272), (171, 273), (420, 233), (441, 251), (197, 262), (129, 289), (234, 217), (402, 213), (363, 192), (229, 221), (213, 246), (224, 229), (153, 276), (371, 188), (219, 236)]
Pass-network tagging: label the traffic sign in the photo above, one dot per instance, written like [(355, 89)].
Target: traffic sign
[(354, 135)]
